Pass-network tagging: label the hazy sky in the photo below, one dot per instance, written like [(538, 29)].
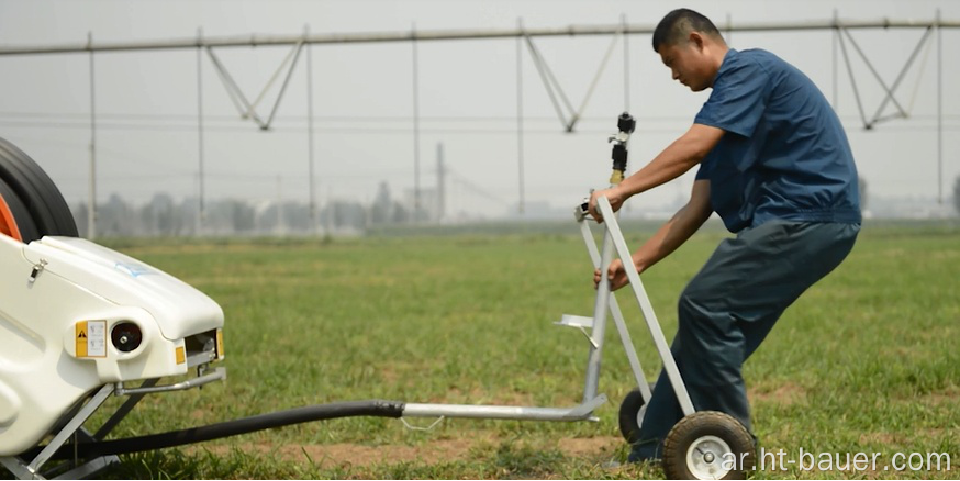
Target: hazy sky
[(363, 103)]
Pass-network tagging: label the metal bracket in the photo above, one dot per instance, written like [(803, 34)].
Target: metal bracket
[(71, 427), (247, 109), (89, 467), (218, 374), (590, 338), (588, 407), (889, 91), (575, 321), (19, 470), (553, 86), (22, 470), (580, 322)]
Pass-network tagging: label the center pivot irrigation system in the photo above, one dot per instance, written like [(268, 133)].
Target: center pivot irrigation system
[(253, 106), (81, 321)]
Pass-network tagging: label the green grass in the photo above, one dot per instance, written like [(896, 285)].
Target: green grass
[(866, 361)]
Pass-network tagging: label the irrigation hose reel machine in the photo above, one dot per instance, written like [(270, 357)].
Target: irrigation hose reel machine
[(80, 322)]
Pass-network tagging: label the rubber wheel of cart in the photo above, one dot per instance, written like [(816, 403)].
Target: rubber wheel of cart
[(630, 416), (49, 211), (708, 445), (15, 220)]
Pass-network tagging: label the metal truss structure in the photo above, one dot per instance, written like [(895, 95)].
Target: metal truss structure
[(567, 114)]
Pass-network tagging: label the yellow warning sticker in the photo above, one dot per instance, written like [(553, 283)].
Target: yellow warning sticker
[(91, 339), (181, 355), (82, 339), (219, 344)]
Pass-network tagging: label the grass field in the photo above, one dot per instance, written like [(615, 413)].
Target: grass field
[(866, 361)]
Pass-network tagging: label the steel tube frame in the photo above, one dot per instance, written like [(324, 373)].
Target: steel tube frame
[(853, 79), (417, 206), (834, 44), (255, 40), (613, 245), (31, 469), (92, 209), (669, 364), (601, 304), (310, 146), (123, 410), (939, 26), (88, 409), (520, 172), (626, 64), (621, 325), (896, 83), (201, 212), (582, 412)]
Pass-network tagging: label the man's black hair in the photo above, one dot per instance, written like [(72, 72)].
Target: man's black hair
[(677, 25)]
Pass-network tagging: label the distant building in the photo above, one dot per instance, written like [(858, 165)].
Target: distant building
[(430, 209)]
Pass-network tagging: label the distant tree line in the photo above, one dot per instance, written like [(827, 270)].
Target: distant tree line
[(164, 216)]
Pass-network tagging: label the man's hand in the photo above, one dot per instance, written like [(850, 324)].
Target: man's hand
[(613, 194), (616, 273)]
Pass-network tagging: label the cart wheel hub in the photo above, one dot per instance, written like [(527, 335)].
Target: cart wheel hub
[(706, 456)]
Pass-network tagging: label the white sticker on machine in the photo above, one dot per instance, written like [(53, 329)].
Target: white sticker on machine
[(92, 339)]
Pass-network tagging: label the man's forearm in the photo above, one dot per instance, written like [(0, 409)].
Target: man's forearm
[(669, 237), (679, 157)]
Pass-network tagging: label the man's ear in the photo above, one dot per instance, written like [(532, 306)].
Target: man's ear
[(696, 39)]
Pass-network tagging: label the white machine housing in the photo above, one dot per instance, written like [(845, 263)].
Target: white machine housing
[(60, 299)]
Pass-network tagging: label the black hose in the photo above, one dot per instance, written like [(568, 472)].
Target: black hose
[(230, 428)]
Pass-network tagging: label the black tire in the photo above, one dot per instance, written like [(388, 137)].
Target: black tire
[(629, 416), (15, 219), (706, 432), (37, 192)]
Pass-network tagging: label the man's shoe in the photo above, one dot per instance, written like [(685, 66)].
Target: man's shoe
[(645, 451)]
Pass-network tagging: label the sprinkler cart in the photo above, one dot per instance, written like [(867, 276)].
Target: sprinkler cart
[(80, 322)]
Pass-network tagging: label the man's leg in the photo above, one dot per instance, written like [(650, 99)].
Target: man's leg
[(729, 307)]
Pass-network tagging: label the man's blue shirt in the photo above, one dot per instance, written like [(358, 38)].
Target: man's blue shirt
[(784, 155)]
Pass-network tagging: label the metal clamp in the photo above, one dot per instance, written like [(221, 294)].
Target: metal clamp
[(582, 211)]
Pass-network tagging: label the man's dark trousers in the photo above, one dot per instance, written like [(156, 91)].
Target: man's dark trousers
[(728, 308)]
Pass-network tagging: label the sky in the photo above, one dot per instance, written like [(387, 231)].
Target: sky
[(146, 103)]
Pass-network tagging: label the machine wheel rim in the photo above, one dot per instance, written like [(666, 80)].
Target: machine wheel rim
[(705, 457)]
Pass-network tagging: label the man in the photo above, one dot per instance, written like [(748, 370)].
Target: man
[(776, 166)]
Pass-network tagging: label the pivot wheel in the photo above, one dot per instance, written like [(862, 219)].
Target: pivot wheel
[(15, 220), (631, 415), (31, 206), (708, 445)]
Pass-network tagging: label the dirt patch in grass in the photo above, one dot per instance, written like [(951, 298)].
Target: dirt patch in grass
[(882, 438), (400, 372), (357, 455), (930, 432), (784, 394), (938, 398), (433, 452), (587, 447)]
